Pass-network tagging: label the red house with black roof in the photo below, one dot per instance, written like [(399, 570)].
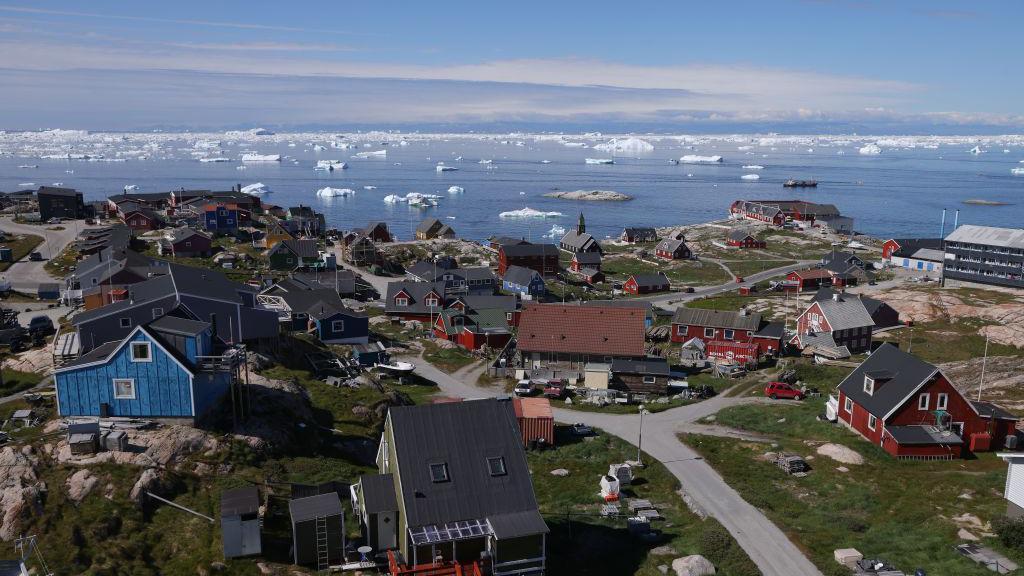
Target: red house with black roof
[(911, 409)]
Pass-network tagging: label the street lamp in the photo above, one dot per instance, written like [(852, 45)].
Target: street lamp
[(640, 437)]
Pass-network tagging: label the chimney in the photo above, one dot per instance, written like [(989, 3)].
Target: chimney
[(942, 228), (835, 297)]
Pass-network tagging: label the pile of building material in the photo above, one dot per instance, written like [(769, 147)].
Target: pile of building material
[(792, 464)]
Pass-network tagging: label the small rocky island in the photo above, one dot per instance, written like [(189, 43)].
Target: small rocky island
[(981, 202), (590, 195)]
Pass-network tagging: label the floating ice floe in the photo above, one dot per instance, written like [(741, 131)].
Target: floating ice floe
[(575, 144), (29, 166), (256, 189), (442, 168), (744, 148), (600, 161), (241, 167), (369, 187), (629, 146), (413, 199), (456, 189), (485, 161), (545, 161), (327, 191), (330, 165), (870, 150), (374, 154), (1017, 171), (555, 232), (216, 159), (753, 167), (696, 159), (976, 150), (750, 177), (130, 187), (528, 212), (27, 184), (253, 157), (57, 184)]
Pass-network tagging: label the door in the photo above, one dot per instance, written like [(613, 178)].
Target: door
[(957, 428), (386, 537)]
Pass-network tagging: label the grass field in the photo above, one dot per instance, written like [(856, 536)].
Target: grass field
[(679, 272), (20, 247), (582, 542), (15, 381), (948, 341), (745, 268), (447, 359), (898, 511)]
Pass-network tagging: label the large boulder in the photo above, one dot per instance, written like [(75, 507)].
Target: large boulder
[(20, 490), (148, 481), (695, 565), (841, 453), (80, 484)]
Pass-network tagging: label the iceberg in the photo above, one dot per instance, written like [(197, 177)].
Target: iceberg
[(484, 161), (374, 154), (629, 146), (750, 177), (130, 187), (870, 149), (253, 157), (256, 189), (442, 168), (695, 159), (555, 232), (330, 165), (1017, 171), (369, 187), (331, 192), (976, 150), (217, 159), (27, 184), (575, 144), (600, 161), (456, 189), (545, 161), (753, 167), (319, 148), (528, 212), (393, 199)]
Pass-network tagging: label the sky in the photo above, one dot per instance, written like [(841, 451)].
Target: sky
[(788, 65)]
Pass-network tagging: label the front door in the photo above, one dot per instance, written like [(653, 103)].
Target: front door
[(386, 532)]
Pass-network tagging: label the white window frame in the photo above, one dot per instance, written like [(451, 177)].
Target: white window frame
[(149, 351), (508, 316), (923, 400), (401, 302), (729, 334), (848, 405), (432, 302), (872, 422), (869, 385), (681, 330), (157, 312), (942, 401), (334, 325), (711, 335), (131, 383), (650, 379), (125, 322)]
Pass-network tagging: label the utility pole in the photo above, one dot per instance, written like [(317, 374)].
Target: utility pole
[(984, 360), (640, 437)]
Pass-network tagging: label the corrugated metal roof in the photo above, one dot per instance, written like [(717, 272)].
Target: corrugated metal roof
[(378, 493), (567, 328), (312, 507), (517, 524), (845, 313), (238, 501), (988, 235), (717, 318), (907, 374), (532, 408)]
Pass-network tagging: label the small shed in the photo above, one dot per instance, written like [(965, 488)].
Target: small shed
[(6, 254), (240, 522), (370, 353), (49, 291), (318, 531), (376, 505), (536, 421)]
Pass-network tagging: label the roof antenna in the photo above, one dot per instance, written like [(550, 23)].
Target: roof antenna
[(984, 360)]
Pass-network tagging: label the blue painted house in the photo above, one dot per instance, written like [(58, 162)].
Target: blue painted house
[(223, 218), (523, 281), (319, 311), (157, 371)]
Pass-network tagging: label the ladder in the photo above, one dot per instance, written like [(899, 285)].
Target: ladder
[(323, 556)]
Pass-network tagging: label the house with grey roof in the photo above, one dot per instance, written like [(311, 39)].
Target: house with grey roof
[(432, 228), (449, 497), (841, 323), (526, 283), (633, 234), (578, 240)]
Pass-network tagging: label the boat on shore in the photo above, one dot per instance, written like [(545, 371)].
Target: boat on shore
[(397, 367), (800, 183)]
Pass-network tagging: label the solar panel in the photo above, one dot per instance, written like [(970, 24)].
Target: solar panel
[(461, 530)]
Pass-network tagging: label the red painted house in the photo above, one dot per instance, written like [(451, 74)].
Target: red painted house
[(842, 318), (473, 329), (581, 260), (714, 325), (807, 280), (543, 258), (744, 239), (143, 219), (910, 409), (646, 283), (777, 212), (673, 249), (908, 246)]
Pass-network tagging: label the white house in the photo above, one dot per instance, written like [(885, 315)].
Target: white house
[(1014, 492)]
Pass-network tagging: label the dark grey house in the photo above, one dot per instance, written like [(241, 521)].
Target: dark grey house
[(984, 255), (60, 203), (318, 530)]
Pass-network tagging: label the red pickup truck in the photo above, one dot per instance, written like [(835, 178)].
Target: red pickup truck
[(776, 390)]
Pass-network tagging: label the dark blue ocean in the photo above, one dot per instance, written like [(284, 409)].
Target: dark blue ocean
[(900, 192)]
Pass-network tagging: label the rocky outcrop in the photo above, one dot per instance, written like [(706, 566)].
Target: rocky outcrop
[(841, 453), (695, 565), (20, 490), (1005, 315), (80, 484), (590, 195)]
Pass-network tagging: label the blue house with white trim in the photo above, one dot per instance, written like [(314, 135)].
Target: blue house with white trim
[(162, 369), (523, 281)]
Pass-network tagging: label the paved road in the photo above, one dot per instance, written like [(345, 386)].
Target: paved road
[(677, 299), (25, 276), (767, 546)]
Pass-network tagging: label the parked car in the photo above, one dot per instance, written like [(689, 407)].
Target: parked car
[(739, 279), (776, 390), (54, 220), (554, 389), (581, 429), (36, 257), (41, 325), (523, 388)]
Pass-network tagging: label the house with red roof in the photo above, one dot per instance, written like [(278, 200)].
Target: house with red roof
[(574, 335)]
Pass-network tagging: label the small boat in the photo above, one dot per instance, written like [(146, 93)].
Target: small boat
[(800, 183), (397, 366)]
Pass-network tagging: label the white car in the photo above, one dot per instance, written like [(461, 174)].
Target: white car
[(523, 388)]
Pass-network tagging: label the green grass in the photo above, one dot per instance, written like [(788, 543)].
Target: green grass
[(20, 246), (582, 542), (949, 341), (447, 359), (745, 268), (15, 381), (59, 264), (885, 508), (679, 271)]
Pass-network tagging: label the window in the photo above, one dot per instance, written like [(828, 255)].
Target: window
[(869, 385), (126, 322), (157, 312), (508, 316), (941, 401), (496, 466), (124, 389), (290, 260), (848, 406), (142, 352), (649, 379), (188, 243), (439, 472), (681, 330), (709, 332), (401, 301), (729, 334), (338, 326), (432, 302), (871, 422), (922, 402)]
